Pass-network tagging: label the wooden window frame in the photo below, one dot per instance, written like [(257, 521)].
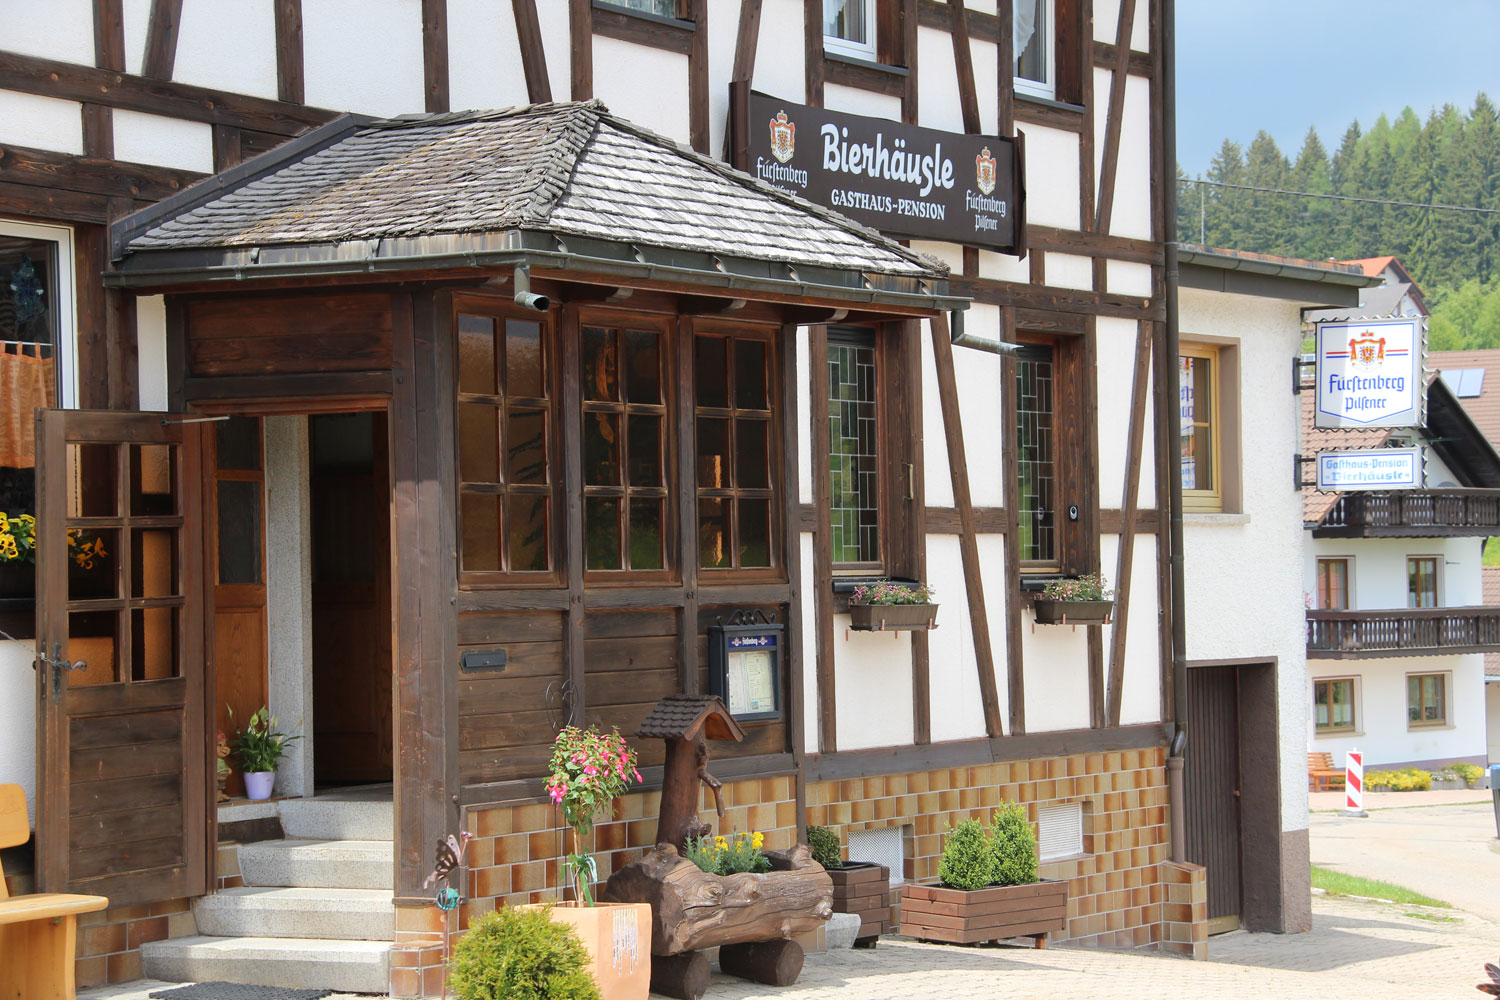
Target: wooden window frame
[(1348, 563), (1071, 410), (1331, 729), (776, 458), (666, 328), (500, 310), (1444, 679), (1210, 501), (1437, 580)]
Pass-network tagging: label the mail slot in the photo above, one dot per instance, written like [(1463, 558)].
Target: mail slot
[(474, 660)]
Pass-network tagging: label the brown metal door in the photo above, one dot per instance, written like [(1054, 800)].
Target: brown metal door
[(123, 781), (1212, 773)]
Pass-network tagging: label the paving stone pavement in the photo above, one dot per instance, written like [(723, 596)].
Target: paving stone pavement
[(1364, 950)]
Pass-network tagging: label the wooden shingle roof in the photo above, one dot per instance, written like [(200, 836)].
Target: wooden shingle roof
[(685, 716)]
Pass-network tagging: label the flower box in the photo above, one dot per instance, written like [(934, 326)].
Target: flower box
[(892, 617), (1053, 612), (934, 912), (863, 888)]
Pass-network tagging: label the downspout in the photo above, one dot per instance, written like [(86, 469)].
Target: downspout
[(1178, 825)]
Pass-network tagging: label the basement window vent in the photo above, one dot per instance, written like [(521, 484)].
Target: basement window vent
[(1059, 830), (883, 847)]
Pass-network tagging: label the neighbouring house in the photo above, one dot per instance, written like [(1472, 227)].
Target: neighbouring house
[(436, 429), (1397, 293), (1241, 325), (1398, 625), (1492, 670)]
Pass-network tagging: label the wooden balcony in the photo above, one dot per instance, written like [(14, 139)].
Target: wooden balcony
[(1412, 514), (1347, 635)]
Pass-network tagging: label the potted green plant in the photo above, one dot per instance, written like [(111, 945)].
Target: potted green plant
[(519, 951), (859, 887), (17, 555), (1083, 600), (259, 748), (887, 607), (988, 888)]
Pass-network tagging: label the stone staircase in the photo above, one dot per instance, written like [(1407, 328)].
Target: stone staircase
[(315, 909)]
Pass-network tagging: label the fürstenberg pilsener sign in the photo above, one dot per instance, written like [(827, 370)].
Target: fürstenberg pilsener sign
[(900, 179), (1370, 373)]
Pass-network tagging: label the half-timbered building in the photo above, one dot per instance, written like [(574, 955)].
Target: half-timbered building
[(437, 427)]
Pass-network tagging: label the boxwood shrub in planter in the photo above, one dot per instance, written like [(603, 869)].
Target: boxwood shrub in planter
[(859, 887), (520, 952), (988, 889)]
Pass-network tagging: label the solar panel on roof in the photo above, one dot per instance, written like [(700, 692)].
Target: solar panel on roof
[(1466, 383)]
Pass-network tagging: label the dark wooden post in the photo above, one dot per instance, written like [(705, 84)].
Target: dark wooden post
[(687, 722)]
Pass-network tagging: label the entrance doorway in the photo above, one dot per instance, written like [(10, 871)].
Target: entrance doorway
[(1212, 789)]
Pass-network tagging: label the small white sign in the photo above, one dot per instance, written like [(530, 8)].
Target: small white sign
[(1378, 469), (1370, 373)]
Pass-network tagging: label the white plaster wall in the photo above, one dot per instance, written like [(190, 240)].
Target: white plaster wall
[(137, 17), (1126, 278), (723, 33), (855, 101), (778, 60), (18, 719), (1377, 569), (938, 484), (1115, 376), (484, 56), (1141, 698), (289, 596), (364, 55), (1004, 267), (1107, 20), (1051, 177), (1380, 711), (1057, 675), (41, 122), (872, 681), (167, 142), (978, 375), (810, 726), (552, 21), (1492, 713), (151, 351), (803, 389), (1131, 215), (647, 86), (53, 29), (1437, 471), (227, 46), (938, 104), (1062, 270), (956, 710)]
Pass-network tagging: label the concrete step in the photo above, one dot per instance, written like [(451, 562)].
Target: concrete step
[(334, 817), (290, 963), (323, 864), (257, 911)]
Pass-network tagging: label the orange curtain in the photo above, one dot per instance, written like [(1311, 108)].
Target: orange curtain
[(26, 383)]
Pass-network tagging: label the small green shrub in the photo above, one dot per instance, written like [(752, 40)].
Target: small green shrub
[(1014, 843), (1470, 773), (825, 846), (515, 954), (968, 857)]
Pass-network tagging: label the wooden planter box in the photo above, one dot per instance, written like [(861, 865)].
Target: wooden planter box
[(955, 916), (1049, 612), (864, 888), (617, 937), (892, 617)]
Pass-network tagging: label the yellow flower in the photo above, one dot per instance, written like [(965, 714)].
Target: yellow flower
[(721, 843), (757, 840)]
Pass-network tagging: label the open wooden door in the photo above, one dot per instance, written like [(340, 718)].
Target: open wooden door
[(123, 782)]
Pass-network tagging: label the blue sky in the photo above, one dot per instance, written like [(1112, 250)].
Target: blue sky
[(1282, 65)]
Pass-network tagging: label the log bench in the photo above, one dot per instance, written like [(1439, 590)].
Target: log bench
[(1322, 776), (38, 932)]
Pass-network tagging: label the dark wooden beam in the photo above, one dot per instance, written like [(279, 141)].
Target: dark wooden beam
[(1005, 90), (572, 427), (796, 698), (654, 34), (963, 64), (1015, 673), (1090, 490), (64, 206), (161, 39), (533, 52), (90, 251), (747, 40), (698, 80), (71, 82), (1166, 466), (290, 79), (812, 52), (1087, 244), (687, 504), (968, 539), (1050, 299), (109, 34), (98, 131), (1113, 123), (227, 150), (581, 36), (817, 363), (435, 54), (1106, 55), (908, 28), (1140, 392), (1082, 64), (94, 175), (1112, 521)]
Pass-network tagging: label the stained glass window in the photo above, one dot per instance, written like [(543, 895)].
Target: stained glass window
[(852, 459), (1036, 450)]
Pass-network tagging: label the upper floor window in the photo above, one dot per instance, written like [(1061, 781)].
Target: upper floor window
[(1421, 582), (1333, 584), (1202, 489), (849, 28), (1426, 700), (1333, 705), (662, 8), (738, 455), (1034, 24), (853, 459)]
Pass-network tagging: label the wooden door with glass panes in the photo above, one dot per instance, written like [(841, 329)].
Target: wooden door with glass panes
[(123, 787)]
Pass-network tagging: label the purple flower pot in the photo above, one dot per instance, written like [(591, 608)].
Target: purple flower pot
[(258, 785)]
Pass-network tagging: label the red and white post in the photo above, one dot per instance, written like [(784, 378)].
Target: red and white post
[(1354, 783)]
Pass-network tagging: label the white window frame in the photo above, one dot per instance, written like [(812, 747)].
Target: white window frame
[(66, 349), (1060, 831), (1047, 88), (855, 50)]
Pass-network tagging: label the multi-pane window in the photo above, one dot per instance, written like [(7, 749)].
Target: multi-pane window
[(662, 8), (1333, 705), (1426, 699), (736, 451), (1333, 584), (1198, 408), (625, 479), (1036, 453), (1421, 582), (849, 27), (505, 412), (1033, 25), (853, 430)]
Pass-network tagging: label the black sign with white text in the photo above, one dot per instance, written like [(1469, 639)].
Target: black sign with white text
[(903, 180)]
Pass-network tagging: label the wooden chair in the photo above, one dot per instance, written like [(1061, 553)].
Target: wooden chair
[(1322, 776), (39, 932)]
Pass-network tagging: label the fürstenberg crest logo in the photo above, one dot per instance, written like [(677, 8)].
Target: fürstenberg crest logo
[(783, 138), (1366, 350), (984, 170)]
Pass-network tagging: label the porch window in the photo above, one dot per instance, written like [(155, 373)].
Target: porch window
[(1036, 370), (1333, 584), (1333, 705), (1421, 582), (738, 456), (853, 460), (1426, 700), (505, 464), (625, 473)]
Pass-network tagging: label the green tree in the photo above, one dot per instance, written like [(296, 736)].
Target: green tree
[(1312, 231)]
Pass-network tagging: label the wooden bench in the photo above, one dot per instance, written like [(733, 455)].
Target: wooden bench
[(39, 932), (1322, 776)]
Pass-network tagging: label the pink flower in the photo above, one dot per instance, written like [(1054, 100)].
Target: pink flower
[(636, 773), (591, 770), (557, 794)]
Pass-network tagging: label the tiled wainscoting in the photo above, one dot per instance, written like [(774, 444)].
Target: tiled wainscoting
[(109, 941)]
